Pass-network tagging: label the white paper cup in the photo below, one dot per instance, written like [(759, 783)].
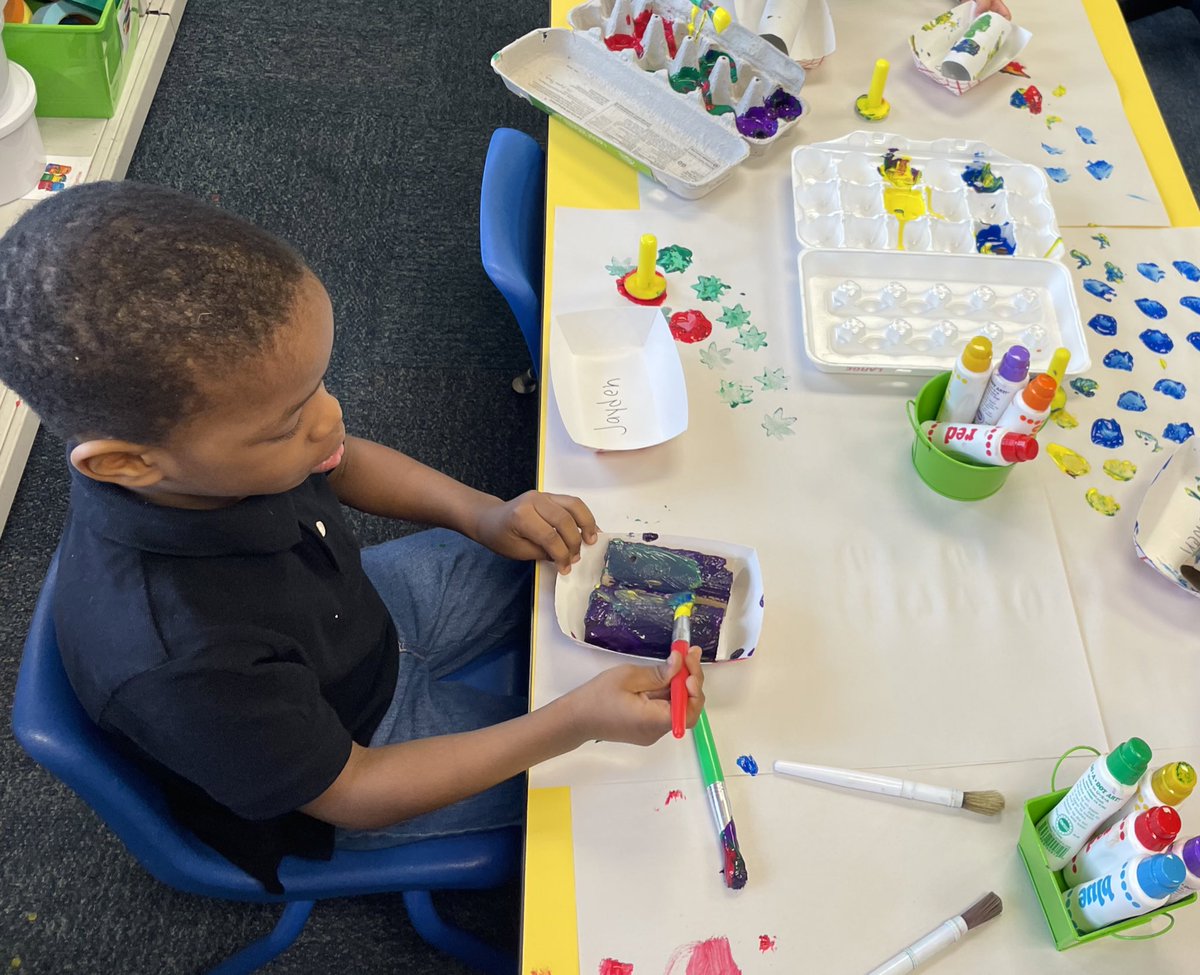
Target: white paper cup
[(972, 52)]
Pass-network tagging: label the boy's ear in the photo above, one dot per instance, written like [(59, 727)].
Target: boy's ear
[(116, 462)]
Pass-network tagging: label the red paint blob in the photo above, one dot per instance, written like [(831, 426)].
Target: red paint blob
[(623, 42), (766, 943), (712, 957), (1033, 98), (674, 794), (652, 302), (690, 326), (1015, 68), (610, 966), (634, 41)]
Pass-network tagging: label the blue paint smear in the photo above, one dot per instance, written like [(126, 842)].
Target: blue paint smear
[(996, 238), (1151, 272), (1179, 432), (1133, 401), (1187, 269), (1112, 273), (1052, 150), (1100, 169), (1107, 433), (1103, 324), (1119, 360), (1085, 134), (747, 764), (1099, 289), (1017, 100), (1151, 308), (1191, 303), (1169, 387), (1058, 174), (1084, 386), (979, 176), (1157, 341), (1194, 338)]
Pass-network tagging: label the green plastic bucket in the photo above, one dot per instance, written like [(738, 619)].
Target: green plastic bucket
[(949, 476)]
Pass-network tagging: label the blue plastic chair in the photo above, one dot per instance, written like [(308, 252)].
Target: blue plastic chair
[(512, 205), (53, 728)]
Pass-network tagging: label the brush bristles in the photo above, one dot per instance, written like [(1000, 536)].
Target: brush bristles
[(984, 909), (989, 803)]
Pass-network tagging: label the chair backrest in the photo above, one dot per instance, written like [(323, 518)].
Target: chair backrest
[(512, 228)]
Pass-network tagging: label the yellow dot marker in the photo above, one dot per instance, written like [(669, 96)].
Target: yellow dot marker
[(873, 106), (646, 283), (1057, 370)]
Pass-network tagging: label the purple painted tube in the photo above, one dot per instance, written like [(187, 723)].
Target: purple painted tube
[(1007, 378), (641, 623)]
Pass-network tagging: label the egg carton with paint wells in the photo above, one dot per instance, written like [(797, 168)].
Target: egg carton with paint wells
[(902, 313), (951, 196), (740, 80)]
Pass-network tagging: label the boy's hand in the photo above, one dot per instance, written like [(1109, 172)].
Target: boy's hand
[(538, 526), (992, 6), (631, 702)]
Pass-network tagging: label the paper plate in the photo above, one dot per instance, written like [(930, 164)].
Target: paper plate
[(743, 617), (1166, 533), (617, 378)]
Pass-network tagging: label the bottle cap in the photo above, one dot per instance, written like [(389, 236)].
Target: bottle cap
[(1189, 850), (1173, 783), (1157, 827), (977, 356), (1017, 447), (1161, 874), (1015, 365), (1039, 394), (1127, 762)]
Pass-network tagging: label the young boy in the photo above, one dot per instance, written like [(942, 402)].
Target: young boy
[(212, 607)]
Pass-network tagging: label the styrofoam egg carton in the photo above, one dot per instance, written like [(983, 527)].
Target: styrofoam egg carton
[(975, 197), (898, 312), (740, 80)]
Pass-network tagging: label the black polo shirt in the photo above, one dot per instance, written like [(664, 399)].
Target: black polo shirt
[(238, 652)]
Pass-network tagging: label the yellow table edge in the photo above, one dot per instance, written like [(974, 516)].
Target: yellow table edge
[(581, 174)]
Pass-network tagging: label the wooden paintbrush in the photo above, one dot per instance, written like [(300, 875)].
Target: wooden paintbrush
[(989, 803), (941, 937)]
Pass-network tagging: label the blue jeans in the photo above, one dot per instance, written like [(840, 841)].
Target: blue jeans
[(452, 601)]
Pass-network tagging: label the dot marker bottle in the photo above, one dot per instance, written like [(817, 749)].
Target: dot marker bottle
[(1137, 887), (1006, 379), (1138, 834), (1030, 407), (1167, 785), (1189, 852), (993, 446), (968, 379)]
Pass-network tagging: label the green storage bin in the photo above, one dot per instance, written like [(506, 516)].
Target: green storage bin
[(1050, 888), (79, 70)]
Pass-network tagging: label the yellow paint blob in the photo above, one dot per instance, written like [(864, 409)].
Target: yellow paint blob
[(1060, 91), (1120, 470), (1067, 460), (1064, 419), (1102, 503)]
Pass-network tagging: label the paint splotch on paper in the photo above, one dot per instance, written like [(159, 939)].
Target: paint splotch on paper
[(777, 425), (772, 379), (1082, 258), (709, 288), (747, 764), (751, 338), (1116, 359), (734, 317), (610, 966), (1187, 269), (710, 957), (1151, 308), (1051, 120), (1107, 433), (1132, 400), (1015, 68), (1112, 273), (1102, 503), (1170, 387), (766, 943), (1157, 341), (1085, 386), (1120, 470), (1191, 303), (1149, 439), (1100, 168), (1099, 288), (1102, 240), (1085, 135), (1052, 149), (1178, 432), (734, 394), (714, 357), (1058, 174), (673, 795), (674, 259), (1103, 325), (619, 267), (1028, 97), (1151, 271), (690, 326), (1067, 460), (1194, 340), (1064, 419)]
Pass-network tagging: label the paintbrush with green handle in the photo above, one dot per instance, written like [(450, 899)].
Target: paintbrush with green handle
[(733, 866)]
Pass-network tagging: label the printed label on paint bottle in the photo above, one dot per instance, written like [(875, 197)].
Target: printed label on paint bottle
[(1141, 885)]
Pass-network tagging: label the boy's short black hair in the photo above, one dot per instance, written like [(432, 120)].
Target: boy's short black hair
[(115, 298)]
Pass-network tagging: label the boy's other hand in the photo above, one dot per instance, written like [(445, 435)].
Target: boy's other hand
[(992, 6), (536, 525), (631, 702)]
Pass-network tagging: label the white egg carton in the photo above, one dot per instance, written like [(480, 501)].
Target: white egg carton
[(758, 68), (875, 311), (838, 191)]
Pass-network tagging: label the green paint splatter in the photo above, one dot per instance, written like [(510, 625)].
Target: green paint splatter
[(1102, 503), (1120, 470), (751, 339), (1064, 419), (1113, 273), (1194, 493), (1082, 258), (1102, 240), (619, 267), (772, 379), (715, 358), (1149, 439), (777, 425), (734, 317), (1059, 91), (710, 288), (734, 394), (1067, 461), (674, 258)]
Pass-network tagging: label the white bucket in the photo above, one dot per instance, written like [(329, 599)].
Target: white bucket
[(3, 62), (22, 157)]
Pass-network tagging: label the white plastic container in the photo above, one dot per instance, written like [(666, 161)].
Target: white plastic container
[(1137, 887), (22, 156), (1139, 834), (1165, 533)]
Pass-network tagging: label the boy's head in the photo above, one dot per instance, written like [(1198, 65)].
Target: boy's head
[(168, 339)]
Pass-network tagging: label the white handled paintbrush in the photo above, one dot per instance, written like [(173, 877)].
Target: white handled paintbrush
[(989, 803), (941, 937)]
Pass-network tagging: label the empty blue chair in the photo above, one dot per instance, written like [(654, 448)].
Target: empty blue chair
[(512, 204), (53, 728)]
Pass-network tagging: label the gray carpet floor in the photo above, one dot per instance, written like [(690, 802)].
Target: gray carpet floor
[(362, 142)]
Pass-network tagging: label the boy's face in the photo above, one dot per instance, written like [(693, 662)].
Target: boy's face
[(268, 424)]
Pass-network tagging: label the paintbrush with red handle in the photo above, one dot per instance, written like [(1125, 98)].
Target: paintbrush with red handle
[(681, 642)]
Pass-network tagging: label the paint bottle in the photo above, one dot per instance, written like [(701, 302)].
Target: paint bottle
[(1030, 406), (1006, 379), (992, 446), (1138, 834), (968, 379), (1189, 852), (1168, 785), (1136, 887), (1100, 791)]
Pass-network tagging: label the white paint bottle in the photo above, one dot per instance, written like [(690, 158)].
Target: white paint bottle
[(1167, 785), (1138, 834), (1100, 791), (1030, 407), (993, 446), (968, 379), (1007, 378), (1136, 887)]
